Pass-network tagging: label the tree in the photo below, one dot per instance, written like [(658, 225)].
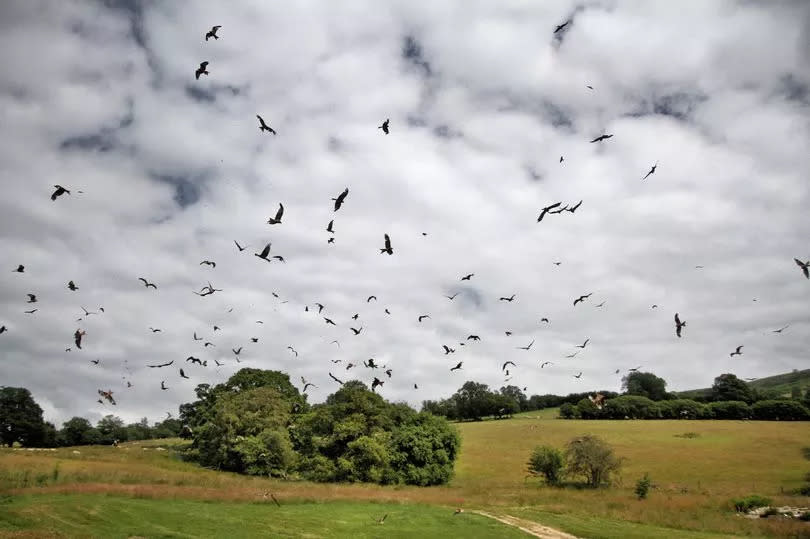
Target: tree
[(140, 430), (645, 384), (77, 431), (111, 428), (20, 418), (517, 395), (727, 387), (548, 462), (424, 449), (473, 401), (593, 458)]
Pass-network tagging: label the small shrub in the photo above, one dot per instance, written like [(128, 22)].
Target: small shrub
[(593, 458), (688, 435), (568, 411), (643, 487), (548, 462), (730, 410), (752, 501), (804, 490)]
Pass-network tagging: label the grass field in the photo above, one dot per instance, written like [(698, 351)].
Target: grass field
[(109, 492)]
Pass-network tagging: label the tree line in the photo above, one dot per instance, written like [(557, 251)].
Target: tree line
[(21, 422)]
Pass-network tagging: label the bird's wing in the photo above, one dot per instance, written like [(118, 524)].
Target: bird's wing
[(280, 211)]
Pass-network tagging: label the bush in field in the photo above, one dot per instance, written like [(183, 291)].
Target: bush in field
[(730, 410), (783, 410), (586, 409), (743, 505), (569, 411), (548, 462), (630, 406), (681, 409), (593, 458), (643, 487)]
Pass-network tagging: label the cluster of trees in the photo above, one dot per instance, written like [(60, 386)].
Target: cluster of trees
[(587, 456), (258, 423), (730, 398), (21, 422)]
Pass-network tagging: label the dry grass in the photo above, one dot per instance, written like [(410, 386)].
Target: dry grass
[(694, 477)]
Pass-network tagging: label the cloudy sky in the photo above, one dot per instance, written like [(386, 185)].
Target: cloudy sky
[(483, 99)]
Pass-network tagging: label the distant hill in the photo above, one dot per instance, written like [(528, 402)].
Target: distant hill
[(780, 383)]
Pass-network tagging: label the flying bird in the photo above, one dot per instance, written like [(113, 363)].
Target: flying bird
[(451, 298), (473, 338), (331, 240), (652, 171), (95, 361), (467, 277), (527, 346), (600, 305), (155, 330), (545, 210), (678, 325), (236, 351), (194, 360), (780, 330), (320, 307), (582, 298), (573, 208), (510, 299), (290, 348), (264, 253), (77, 338), (163, 385), (544, 319), (207, 344), (72, 286), (561, 26), (384, 126), (20, 269), (59, 192), (86, 312), (805, 267), (277, 219), (332, 376), (263, 126), (448, 350), (202, 70), (387, 248), (543, 364), (330, 227), (161, 365), (508, 333), (356, 331), (355, 316), (457, 367), (147, 284), (600, 138), (197, 338), (208, 263), (423, 316), (370, 298), (213, 32), (561, 159), (569, 356), (329, 321), (737, 352), (32, 298), (239, 246), (635, 369), (583, 345), (3, 329), (254, 339), (340, 198), (32, 311), (578, 375), (503, 367), (375, 383), (182, 374)]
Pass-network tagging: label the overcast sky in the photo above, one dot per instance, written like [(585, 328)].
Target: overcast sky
[(483, 100)]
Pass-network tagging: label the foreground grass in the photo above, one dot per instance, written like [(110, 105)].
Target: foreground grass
[(695, 477), (109, 516)]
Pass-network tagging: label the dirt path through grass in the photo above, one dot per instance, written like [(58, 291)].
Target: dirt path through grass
[(532, 528)]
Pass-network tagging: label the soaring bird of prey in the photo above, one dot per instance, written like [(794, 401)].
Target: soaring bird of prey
[(467, 277), (291, 349), (357, 331), (320, 307), (544, 319), (329, 321), (163, 385), (508, 333), (375, 383), (147, 284), (197, 338), (77, 338), (583, 345), (543, 364), (573, 208), (423, 316), (161, 365), (737, 352), (155, 330), (805, 267), (194, 360), (570, 356), (340, 198), (600, 305), (600, 138), (387, 248), (473, 338), (556, 263), (332, 376), (651, 172), (457, 367), (561, 26), (330, 227), (582, 298), (527, 346), (59, 192), (107, 395), (32, 311), (254, 339), (32, 298), (72, 286), (264, 253), (331, 240), (239, 246), (3, 329), (503, 367), (279, 214), (780, 330), (207, 344), (236, 351), (87, 313), (202, 70), (678, 325), (307, 384), (20, 269), (510, 298), (263, 126), (384, 126), (448, 350), (208, 263), (578, 375), (370, 298), (545, 210), (95, 361), (213, 32), (182, 374), (634, 369), (451, 298), (355, 316), (654, 306), (370, 364), (216, 328)]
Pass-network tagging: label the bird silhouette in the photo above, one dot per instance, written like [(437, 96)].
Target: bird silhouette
[(264, 253), (467, 277), (263, 126), (600, 138), (376, 383), (32, 311), (573, 208), (161, 365), (202, 70), (20, 269), (330, 226), (583, 345), (254, 339), (182, 374), (207, 344), (59, 192), (370, 298), (569, 356), (678, 325), (544, 319), (508, 333), (510, 298), (340, 198), (77, 338), (330, 240), (355, 316), (384, 126), (561, 159), (208, 263), (805, 266), (195, 360), (578, 375), (163, 385), (155, 330), (451, 298), (527, 346), (3, 329), (95, 361), (88, 313), (780, 330), (503, 367), (213, 32), (279, 214), (291, 349), (32, 298), (582, 298), (356, 331), (423, 316), (635, 369), (320, 307), (239, 246), (197, 338), (448, 350), (236, 351), (329, 321), (332, 376), (561, 26), (545, 210), (387, 248), (600, 305), (543, 364), (473, 338), (72, 286), (457, 367), (147, 284), (652, 171), (737, 352)]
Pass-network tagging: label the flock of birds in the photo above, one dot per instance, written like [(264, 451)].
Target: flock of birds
[(387, 248)]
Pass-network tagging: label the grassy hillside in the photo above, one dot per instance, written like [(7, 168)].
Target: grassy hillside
[(780, 383), (138, 490)]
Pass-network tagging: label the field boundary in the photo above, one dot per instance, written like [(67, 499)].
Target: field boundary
[(528, 526)]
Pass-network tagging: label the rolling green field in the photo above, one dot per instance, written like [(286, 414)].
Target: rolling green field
[(138, 490), (779, 383)]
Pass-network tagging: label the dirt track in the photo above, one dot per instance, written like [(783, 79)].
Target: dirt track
[(532, 528)]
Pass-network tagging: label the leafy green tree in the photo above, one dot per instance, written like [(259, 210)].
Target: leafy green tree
[(168, 428), (548, 462), (77, 431), (630, 406), (593, 458), (473, 401), (111, 428), (140, 430), (569, 411), (517, 395), (782, 410), (20, 418), (645, 384), (729, 410), (424, 449), (727, 387)]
